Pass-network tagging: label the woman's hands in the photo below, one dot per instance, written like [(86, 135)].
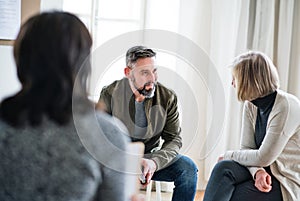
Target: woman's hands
[(263, 181), (221, 158)]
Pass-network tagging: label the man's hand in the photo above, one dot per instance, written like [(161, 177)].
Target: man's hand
[(263, 181), (149, 167)]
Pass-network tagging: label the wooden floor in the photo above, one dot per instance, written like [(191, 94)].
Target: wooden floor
[(166, 196), (199, 196)]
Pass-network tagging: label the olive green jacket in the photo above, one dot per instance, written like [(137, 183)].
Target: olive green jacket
[(161, 114)]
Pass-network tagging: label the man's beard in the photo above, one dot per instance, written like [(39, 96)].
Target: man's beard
[(147, 93)]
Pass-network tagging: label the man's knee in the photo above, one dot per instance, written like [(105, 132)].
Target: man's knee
[(187, 166)]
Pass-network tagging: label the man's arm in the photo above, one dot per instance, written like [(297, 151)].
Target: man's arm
[(104, 102), (171, 136)]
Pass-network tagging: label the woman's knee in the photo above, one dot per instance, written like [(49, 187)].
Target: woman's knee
[(224, 167), (225, 164), (231, 170)]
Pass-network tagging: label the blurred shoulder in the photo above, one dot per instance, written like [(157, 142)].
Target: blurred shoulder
[(112, 127)]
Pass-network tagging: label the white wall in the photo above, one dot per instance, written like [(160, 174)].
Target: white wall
[(9, 83)]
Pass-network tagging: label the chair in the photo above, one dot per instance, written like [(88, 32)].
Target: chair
[(157, 189)]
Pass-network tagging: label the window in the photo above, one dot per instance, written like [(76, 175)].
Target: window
[(82, 8), (107, 18)]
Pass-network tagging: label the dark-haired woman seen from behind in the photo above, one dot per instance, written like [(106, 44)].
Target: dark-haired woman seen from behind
[(266, 168), (42, 157)]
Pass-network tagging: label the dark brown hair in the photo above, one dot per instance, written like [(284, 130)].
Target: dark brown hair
[(137, 52), (50, 51)]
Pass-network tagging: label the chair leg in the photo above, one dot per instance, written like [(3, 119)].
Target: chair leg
[(148, 191), (158, 191)]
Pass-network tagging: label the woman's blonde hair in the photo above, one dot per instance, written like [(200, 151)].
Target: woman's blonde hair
[(255, 75)]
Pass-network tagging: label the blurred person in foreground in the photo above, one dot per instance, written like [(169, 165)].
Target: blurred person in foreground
[(42, 156), (267, 165)]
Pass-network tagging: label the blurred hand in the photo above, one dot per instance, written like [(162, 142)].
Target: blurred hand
[(138, 197), (263, 181), (149, 167)]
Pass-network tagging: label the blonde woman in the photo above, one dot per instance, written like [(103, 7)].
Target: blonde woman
[(267, 165)]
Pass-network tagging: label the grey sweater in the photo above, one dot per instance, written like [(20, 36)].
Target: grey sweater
[(49, 162)]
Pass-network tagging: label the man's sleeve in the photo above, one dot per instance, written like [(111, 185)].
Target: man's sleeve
[(171, 136), (104, 102)]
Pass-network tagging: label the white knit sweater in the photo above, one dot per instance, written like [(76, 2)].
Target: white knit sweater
[(280, 148)]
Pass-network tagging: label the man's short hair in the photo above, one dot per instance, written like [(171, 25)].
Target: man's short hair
[(137, 52)]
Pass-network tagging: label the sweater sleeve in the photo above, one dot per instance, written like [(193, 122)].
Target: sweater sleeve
[(273, 143), (247, 138)]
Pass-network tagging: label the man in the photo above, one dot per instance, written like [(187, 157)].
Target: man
[(149, 111)]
